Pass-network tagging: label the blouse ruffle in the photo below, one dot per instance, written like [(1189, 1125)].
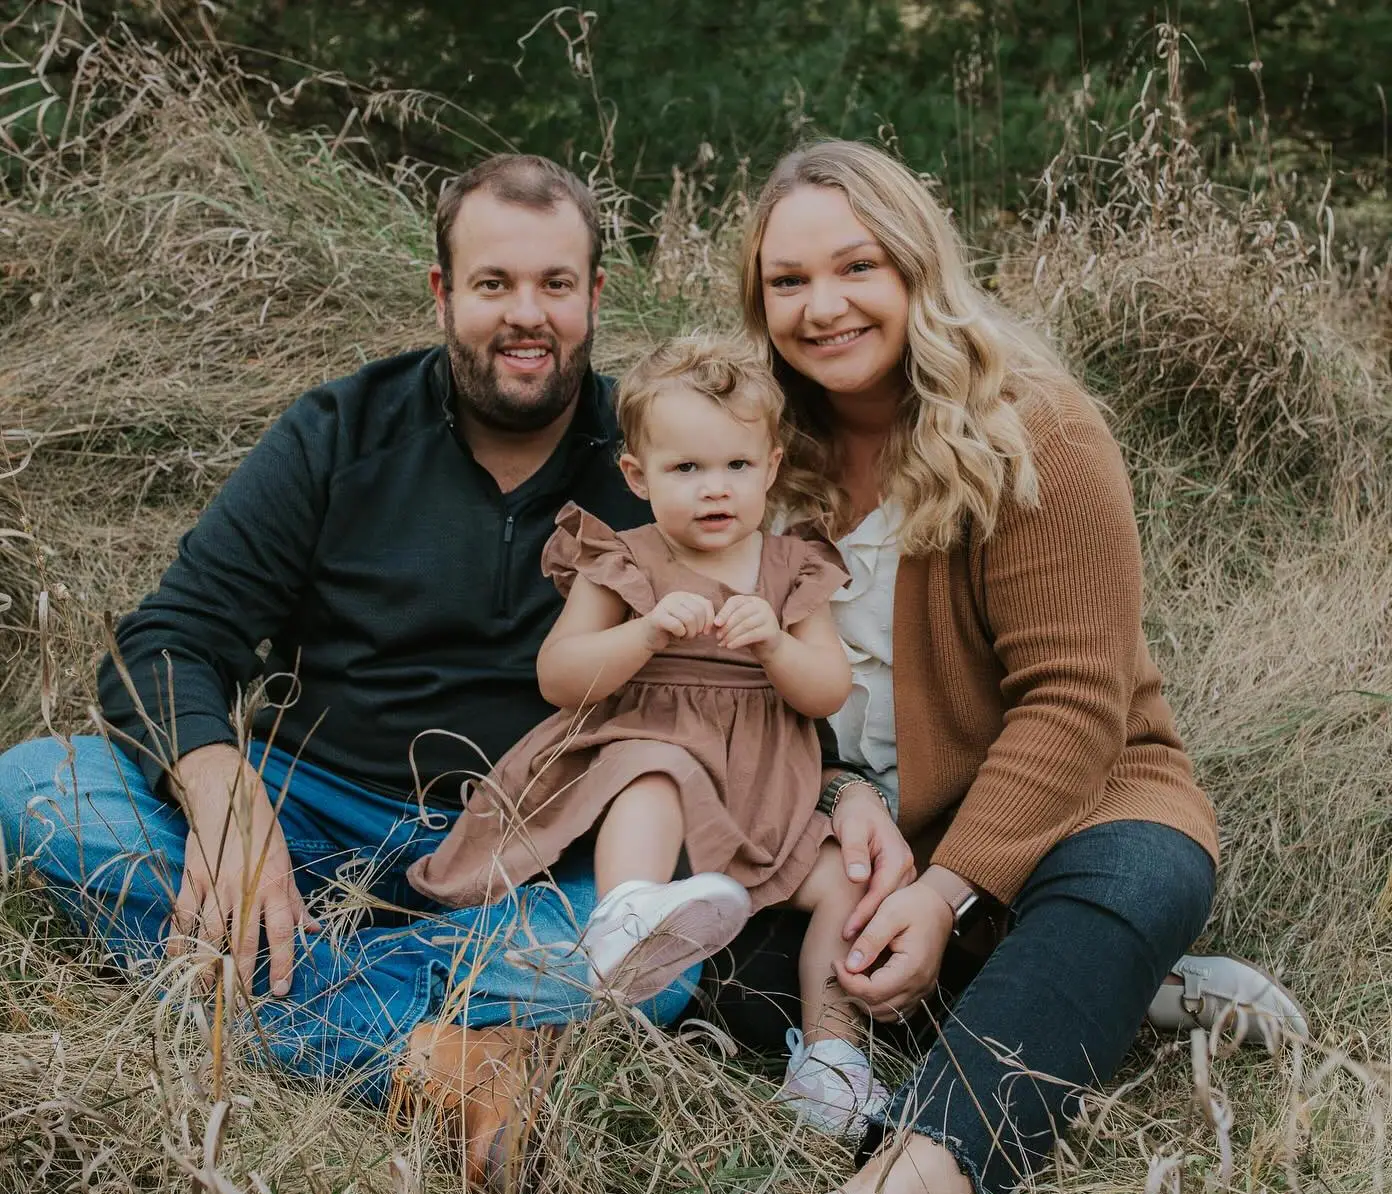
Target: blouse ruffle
[(820, 575)]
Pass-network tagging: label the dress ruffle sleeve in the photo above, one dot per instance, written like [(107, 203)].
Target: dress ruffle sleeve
[(583, 544), (819, 575)]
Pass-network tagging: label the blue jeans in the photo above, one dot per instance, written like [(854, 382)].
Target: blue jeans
[(1091, 936), (110, 854)]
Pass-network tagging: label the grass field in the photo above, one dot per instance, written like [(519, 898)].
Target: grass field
[(175, 268)]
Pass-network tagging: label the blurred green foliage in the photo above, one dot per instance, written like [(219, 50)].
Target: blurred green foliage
[(979, 92)]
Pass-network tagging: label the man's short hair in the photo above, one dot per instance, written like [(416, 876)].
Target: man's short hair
[(521, 178)]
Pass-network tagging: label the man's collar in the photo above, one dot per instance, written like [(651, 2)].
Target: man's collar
[(594, 415)]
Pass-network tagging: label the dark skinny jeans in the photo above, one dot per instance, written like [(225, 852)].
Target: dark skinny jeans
[(1090, 937)]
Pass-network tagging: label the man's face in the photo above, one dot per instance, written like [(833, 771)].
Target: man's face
[(518, 315)]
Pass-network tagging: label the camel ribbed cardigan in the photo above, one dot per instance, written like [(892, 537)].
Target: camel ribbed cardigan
[(1027, 706)]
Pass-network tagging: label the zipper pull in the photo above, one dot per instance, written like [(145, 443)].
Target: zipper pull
[(507, 529)]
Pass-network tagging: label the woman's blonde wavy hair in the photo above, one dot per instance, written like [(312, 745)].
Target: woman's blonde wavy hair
[(959, 444)]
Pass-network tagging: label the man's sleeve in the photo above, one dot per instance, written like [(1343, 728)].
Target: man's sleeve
[(237, 576)]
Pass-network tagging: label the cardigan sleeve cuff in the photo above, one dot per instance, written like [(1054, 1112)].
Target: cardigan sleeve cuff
[(999, 869)]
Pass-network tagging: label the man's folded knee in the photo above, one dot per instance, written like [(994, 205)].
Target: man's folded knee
[(28, 765), (42, 765), (84, 763), (27, 770), (50, 787)]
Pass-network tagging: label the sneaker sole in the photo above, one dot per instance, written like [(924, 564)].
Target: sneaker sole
[(682, 938)]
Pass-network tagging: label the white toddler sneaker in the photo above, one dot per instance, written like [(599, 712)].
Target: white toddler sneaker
[(642, 935), (830, 1085)]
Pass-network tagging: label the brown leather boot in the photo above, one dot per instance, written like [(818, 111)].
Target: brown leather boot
[(487, 1083)]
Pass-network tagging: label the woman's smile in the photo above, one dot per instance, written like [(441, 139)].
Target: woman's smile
[(830, 344)]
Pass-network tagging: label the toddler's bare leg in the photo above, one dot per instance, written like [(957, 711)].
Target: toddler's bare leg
[(831, 898), (641, 835)]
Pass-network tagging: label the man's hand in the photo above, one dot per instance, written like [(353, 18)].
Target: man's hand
[(915, 925), (748, 621), (237, 867), (872, 848)]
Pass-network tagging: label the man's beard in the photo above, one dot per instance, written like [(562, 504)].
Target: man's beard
[(479, 394)]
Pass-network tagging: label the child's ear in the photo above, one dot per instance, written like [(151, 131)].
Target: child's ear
[(633, 474), (775, 459)]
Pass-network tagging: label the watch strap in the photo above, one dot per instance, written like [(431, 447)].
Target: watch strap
[(832, 791), (964, 900)]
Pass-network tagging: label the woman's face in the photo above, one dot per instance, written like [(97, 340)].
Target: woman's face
[(837, 309)]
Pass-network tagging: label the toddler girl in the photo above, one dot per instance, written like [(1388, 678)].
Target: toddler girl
[(689, 662)]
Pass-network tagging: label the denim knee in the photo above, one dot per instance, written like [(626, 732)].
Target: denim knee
[(28, 766), (27, 769), (1156, 879)]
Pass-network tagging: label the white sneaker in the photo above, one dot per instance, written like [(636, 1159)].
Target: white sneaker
[(642, 935), (830, 1085), (1259, 1008)]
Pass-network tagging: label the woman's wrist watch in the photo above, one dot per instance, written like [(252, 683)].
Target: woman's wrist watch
[(837, 785), (959, 895)]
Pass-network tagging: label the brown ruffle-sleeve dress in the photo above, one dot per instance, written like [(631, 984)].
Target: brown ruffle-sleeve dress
[(747, 765)]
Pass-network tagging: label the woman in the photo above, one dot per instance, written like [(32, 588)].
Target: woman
[(1006, 705)]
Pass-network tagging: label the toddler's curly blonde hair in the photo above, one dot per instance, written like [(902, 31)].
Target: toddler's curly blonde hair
[(728, 370)]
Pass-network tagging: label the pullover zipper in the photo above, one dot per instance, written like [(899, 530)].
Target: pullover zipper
[(502, 590)]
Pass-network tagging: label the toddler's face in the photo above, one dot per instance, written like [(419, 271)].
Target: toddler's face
[(705, 472)]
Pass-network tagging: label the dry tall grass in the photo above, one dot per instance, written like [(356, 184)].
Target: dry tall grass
[(1243, 344), (175, 269)]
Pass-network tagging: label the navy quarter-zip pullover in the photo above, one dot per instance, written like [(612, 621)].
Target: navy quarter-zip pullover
[(390, 575)]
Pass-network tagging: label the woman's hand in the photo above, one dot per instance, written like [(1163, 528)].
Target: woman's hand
[(872, 848), (914, 924)]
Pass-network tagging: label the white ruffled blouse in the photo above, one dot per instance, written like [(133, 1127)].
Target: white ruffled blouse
[(864, 614)]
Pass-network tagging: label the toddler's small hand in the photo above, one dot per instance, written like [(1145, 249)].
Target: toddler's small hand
[(747, 621), (680, 615)]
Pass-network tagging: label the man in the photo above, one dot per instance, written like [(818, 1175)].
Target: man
[(384, 540)]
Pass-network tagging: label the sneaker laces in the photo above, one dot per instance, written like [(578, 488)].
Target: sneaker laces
[(798, 1050), (835, 1095)]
